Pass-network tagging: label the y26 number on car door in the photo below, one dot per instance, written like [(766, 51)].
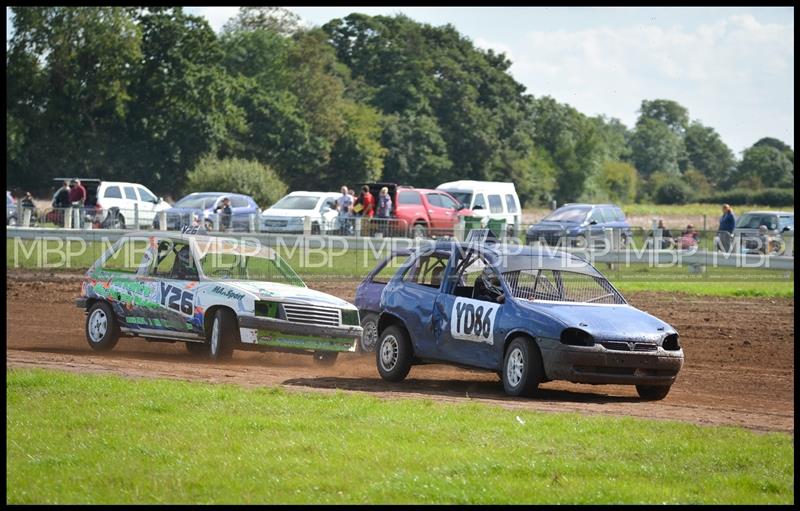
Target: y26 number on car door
[(473, 320)]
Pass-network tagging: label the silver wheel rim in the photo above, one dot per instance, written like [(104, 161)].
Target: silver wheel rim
[(389, 352), (215, 337), (98, 325), (514, 367), (370, 336)]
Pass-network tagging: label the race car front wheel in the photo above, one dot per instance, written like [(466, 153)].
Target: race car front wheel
[(102, 329), (393, 355), (222, 336), (522, 368), (653, 392)]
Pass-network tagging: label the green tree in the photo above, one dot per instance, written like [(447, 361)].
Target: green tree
[(669, 112), (277, 20), (69, 73), (235, 175), (619, 181), (766, 165), (708, 153), (655, 147)]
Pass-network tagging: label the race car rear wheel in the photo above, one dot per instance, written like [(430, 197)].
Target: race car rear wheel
[(325, 358), (522, 368), (223, 334), (394, 354), (102, 329), (370, 336), (653, 392)]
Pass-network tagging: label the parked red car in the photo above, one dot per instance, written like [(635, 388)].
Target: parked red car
[(421, 211)]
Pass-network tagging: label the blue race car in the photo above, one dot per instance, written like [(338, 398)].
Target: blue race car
[(532, 315)]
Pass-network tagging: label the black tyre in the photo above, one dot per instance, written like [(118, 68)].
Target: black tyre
[(198, 349), (368, 341), (393, 354), (223, 334), (325, 358), (102, 328), (118, 222), (315, 228), (522, 368), (653, 392)]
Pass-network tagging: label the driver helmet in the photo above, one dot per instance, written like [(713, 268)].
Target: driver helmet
[(185, 257), (491, 281)]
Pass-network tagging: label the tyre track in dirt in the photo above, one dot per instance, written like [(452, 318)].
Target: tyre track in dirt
[(739, 367)]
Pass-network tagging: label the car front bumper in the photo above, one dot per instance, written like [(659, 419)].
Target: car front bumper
[(596, 364), (286, 334)]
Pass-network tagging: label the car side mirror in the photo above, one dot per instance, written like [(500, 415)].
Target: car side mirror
[(593, 222), (786, 229), (477, 207), (156, 201)]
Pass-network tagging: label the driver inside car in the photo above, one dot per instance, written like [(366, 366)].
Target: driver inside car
[(488, 288), (184, 269)]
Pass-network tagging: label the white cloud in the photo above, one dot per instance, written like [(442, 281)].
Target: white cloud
[(216, 16), (736, 75)]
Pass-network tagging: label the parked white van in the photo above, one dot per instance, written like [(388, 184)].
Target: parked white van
[(488, 199)]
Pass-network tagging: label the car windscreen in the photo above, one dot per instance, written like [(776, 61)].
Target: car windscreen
[(297, 202), (574, 214), (464, 198), (225, 259), (755, 220), (561, 286), (197, 201)]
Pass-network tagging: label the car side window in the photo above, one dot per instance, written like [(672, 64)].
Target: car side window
[(480, 201), (596, 216), (409, 198), (128, 257), (469, 279), (447, 202), (511, 204), (113, 192), (435, 200), (239, 202), (174, 261), (145, 195), (427, 270), (389, 269), (495, 204), (130, 193)]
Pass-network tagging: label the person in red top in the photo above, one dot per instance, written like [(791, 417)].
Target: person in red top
[(77, 193), (368, 201)]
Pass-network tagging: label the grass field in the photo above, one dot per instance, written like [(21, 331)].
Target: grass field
[(354, 264), (106, 439)]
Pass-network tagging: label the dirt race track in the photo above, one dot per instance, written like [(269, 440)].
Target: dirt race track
[(739, 366)]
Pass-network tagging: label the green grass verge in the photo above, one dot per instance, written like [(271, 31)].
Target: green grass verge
[(355, 264), (106, 439)]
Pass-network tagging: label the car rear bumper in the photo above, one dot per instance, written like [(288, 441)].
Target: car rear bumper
[(286, 334), (596, 364)]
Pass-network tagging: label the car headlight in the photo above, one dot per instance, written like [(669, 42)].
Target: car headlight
[(576, 337)]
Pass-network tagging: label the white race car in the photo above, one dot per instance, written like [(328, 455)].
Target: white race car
[(216, 294)]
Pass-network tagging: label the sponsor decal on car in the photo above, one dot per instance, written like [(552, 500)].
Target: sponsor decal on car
[(473, 320), (227, 293)]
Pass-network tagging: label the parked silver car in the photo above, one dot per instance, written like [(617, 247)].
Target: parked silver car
[(777, 224)]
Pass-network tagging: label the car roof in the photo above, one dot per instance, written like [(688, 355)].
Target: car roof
[(323, 194), (466, 184), (547, 259), (788, 213), (587, 205)]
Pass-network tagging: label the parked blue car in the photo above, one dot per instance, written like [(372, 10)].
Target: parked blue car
[(531, 315), (579, 224), (199, 208)]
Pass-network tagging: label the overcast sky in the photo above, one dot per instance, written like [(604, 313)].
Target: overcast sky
[(733, 68)]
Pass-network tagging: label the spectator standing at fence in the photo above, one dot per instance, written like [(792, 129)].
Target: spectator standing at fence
[(726, 225), (367, 202), (77, 194), (61, 197), (345, 206), (225, 214), (384, 209), (666, 235)]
